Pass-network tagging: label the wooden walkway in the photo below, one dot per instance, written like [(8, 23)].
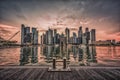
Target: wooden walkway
[(75, 74)]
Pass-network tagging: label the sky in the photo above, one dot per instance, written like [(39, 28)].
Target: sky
[(102, 15)]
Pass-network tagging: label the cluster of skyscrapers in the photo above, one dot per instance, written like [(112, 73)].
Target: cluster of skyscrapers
[(52, 37), (54, 44), (62, 45), (28, 36)]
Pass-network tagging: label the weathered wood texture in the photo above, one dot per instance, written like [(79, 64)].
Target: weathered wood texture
[(75, 74)]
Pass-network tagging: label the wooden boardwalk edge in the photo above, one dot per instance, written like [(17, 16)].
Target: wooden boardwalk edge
[(80, 73)]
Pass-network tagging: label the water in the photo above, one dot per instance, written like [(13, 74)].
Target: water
[(78, 56)]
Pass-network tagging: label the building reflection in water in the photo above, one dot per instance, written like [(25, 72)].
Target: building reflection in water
[(29, 55), (84, 55)]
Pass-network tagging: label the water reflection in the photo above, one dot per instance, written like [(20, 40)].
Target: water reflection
[(28, 55), (76, 54)]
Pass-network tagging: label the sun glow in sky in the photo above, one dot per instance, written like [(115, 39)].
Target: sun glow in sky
[(103, 15)]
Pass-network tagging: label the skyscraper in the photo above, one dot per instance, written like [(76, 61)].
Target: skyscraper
[(80, 32), (34, 36), (74, 38), (41, 39), (27, 38), (22, 34), (87, 34), (67, 33), (50, 36), (27, 30), (55, 36), (93, 36)]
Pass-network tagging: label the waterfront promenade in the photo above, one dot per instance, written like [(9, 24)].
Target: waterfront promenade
[(42, 73)]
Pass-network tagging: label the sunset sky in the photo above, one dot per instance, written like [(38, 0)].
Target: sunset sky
[(103, 15)]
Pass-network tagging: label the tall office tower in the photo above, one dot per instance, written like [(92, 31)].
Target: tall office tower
[(55, 36), (41, 39), (93, 36), (34, 36), (80, 32), (55, 32), (44, 38), (67, 33), (27, 30), (87, 34), (74, 38), (63, 45), (50, 36), (84, 40), (71, 40), (27, 38), (22, 33)]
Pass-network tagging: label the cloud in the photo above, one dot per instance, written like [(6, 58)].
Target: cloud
[(118, 34), (2, 30), (22, 17), (102, 15), (7, 31)]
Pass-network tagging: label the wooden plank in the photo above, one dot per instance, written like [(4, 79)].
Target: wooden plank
[(75, 74)]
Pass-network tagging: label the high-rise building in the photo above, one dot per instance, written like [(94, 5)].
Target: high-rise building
[(25, 34), (44, 38), (41, 39), (58, 38), (63, 45), (80, 32), (27, 30), (67, 33), (34, 36), (50, 36), (84, 40), (27, 38), (22, 34), (87, 34), (75, 38), (55, 36)]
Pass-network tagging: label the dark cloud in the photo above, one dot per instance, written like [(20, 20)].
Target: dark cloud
[(81, 10), (22, 17)]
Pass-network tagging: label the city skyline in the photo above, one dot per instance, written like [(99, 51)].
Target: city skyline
[(101, 15)]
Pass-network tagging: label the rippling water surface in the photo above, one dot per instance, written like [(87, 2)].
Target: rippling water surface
[(96, 56)]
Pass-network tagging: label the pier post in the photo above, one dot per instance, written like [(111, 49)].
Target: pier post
[(54, 63), (64, 63)]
